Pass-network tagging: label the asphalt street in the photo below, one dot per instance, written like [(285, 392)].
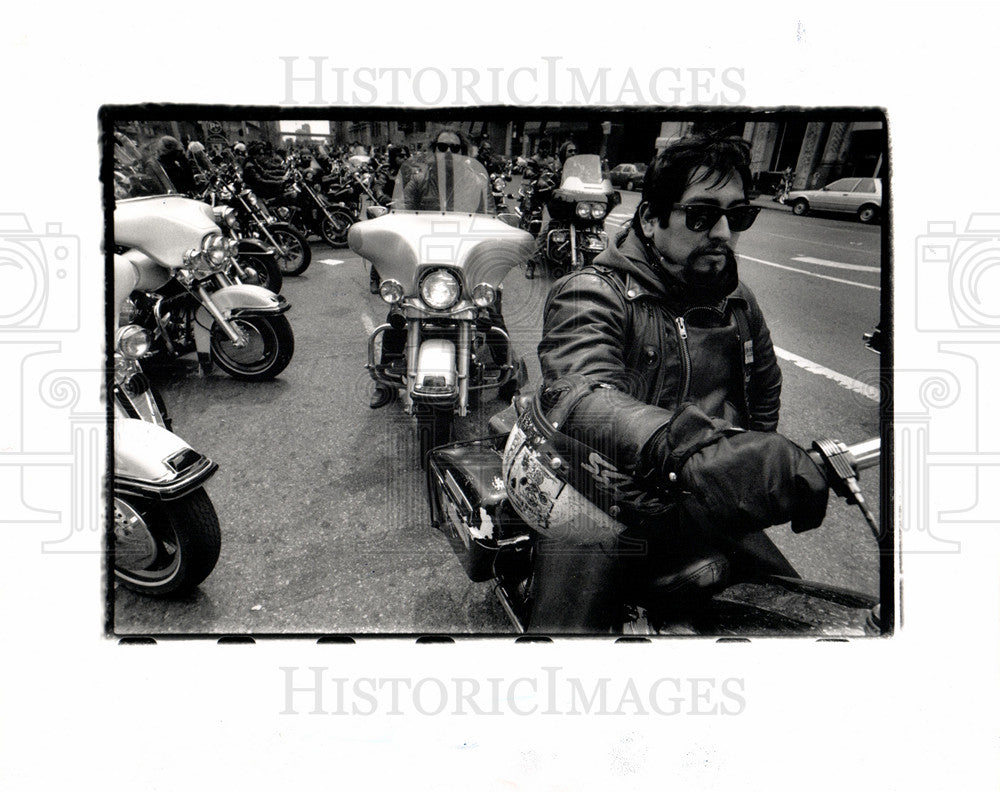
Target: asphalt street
[(322, 501)]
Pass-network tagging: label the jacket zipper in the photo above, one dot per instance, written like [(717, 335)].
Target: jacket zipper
[(685, 360)]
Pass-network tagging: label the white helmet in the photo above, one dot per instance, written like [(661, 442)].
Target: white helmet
[(564, 489)]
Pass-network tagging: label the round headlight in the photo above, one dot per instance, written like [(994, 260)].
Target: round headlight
[(598, 210), (484, 295), (440, 289), (391, 291), (214, 249), (133, 342), (583, 210), (225, 216)]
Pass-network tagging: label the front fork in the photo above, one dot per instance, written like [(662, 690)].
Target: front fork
[(463, 346), (462, 362)]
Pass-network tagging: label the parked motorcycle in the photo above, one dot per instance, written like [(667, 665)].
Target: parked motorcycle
[(254, 219), (166, 532), (352, 199), (468, 485), (577, 209), (309, 212), (441, 273), (178, 261)]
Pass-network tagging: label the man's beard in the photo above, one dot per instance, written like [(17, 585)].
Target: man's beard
[(709, 281)]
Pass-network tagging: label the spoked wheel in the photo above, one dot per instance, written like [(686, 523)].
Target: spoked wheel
[(334, 228), (434, 426), (267, 351), (265, 271), (168, 547), (293, 252)]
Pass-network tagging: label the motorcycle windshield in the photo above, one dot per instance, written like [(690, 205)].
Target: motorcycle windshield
[(137, 173), (586, 173), (443, 182)]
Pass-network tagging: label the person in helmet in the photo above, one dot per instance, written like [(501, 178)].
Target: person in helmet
[(659, 365)]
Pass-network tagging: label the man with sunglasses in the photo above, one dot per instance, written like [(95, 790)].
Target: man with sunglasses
[(678, 394)]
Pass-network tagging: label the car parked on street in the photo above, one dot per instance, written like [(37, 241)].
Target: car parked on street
[(861, 197), (628, 175)]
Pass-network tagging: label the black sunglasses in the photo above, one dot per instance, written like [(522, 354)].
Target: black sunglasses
[(702, 217), (454, 148)]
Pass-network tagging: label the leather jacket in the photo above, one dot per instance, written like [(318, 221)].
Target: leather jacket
[(624, 322)]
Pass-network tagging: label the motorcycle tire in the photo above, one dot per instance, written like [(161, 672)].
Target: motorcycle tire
[(165, 548), (269, 350), (434, 428), (298, 254), (268, 272), (334, 232)]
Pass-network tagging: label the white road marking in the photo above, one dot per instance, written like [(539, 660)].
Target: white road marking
[(867, 391), (331, 262), (812, 274), (836, 264), (369, 324)]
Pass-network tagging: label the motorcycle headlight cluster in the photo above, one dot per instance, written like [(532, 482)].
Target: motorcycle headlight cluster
[(484, 295), (591, 210), (440, 289), (391, 291), (214, 255), (225, 216), (132, 342)]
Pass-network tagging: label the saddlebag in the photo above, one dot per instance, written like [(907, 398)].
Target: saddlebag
[(469, 505)]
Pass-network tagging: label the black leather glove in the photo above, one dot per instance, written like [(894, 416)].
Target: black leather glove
[(751, 480), (737, 480)]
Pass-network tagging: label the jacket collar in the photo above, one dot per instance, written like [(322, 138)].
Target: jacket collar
[(628, 255)]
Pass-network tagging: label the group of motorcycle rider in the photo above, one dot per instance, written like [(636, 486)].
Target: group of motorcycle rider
[(655, 356)]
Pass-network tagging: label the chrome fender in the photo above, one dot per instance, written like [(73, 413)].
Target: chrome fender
[(240, 298), (436, 373), (152, 461)]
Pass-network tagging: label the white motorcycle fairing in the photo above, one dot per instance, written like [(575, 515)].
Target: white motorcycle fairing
[(402, 245), (151, 461), (164, 227)]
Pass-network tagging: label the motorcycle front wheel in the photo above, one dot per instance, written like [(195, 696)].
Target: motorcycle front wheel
[(266, 270), (165, 548), (294, 254), (269, 347), (334, 228), (434, 426)]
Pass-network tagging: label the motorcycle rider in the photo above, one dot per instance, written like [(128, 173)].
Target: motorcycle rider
[(259, 173), (170, 154), (547, 182), (679, 391), (385, 178), (421, 191)]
